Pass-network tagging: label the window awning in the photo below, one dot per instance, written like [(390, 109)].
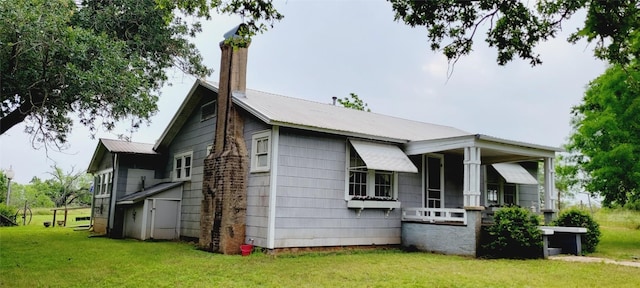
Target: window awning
[(378, 156), (514, 173)]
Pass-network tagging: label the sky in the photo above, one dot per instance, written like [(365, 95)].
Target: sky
[(332, 48)]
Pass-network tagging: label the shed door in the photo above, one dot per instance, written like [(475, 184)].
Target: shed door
[(434, 180), (165, 219)]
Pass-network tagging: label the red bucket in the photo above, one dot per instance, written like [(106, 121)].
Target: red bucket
[(246, 249)]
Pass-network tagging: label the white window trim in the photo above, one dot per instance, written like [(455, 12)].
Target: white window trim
[(215, 113), (266, 134), (109, 177), (425, 180), (182, 156), (501, 182), (209, 150), (371, 178)]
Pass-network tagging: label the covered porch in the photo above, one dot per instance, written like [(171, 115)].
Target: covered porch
[(465, 179)]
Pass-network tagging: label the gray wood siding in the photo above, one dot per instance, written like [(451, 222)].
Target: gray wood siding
[(121, 181), (410, 185), (106, 162), (101, 202), (194, 136), (257, 220), (311, 206), (134, 180), (528, 194)]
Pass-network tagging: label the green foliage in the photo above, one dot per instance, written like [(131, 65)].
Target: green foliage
[(258, 15), (105, 61), (354, 102), (7, 211), (633, 205), (580, 218), (515, 28), (605, 145), (566, 181), (3, 186), (62, 188), (514, 234)]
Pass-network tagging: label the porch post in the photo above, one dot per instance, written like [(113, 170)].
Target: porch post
[(471, 182), (549, 188)]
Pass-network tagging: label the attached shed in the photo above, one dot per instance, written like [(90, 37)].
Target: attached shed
[(153, 213)]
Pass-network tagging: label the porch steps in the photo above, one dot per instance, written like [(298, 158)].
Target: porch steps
[(554, 251)]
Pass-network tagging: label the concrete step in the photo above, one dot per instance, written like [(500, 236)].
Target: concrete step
[(554, 251)]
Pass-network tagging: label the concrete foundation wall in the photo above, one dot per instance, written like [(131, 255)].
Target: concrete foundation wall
[(455, 239)]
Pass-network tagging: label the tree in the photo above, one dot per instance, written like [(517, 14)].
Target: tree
[(65, 187), (103, 60), (354, 102), (515, 28), (3, 186), (34, 195), (566, 180), (605, 142)]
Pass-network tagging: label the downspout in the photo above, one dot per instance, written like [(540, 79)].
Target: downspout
[(273, 187), (153, 218), (112, 197), (93, 201)]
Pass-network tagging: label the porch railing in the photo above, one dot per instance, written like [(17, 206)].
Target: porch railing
[(433, 215)]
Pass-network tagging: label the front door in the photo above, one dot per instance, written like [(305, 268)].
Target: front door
[(434, 181)]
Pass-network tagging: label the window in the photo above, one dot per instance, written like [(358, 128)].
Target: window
[(209, 110), (509, 194), (499, 192), (260, 151), (492, 194), (103, 182), (382, 183), (182, 166)]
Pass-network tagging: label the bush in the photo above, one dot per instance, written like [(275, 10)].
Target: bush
[(7, 211), (633, 205), (578, 218), (514, 234)]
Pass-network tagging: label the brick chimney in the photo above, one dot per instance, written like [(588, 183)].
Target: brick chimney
[(224, 205)]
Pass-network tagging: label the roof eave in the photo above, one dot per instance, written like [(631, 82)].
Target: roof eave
[(518, 143), (97, 154), (479, 140), (164, 138)]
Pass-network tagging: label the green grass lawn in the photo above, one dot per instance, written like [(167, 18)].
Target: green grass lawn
[(34, 256), (620, 234)]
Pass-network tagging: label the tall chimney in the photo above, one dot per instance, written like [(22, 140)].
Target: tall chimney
[(233, 77), (224, 205)]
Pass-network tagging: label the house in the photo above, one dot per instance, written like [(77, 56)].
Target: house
[(310, 174)]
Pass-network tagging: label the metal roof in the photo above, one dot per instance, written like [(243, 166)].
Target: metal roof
[(120, 146), (144, 194), (117, 146), (299, 113), (303, 114)]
